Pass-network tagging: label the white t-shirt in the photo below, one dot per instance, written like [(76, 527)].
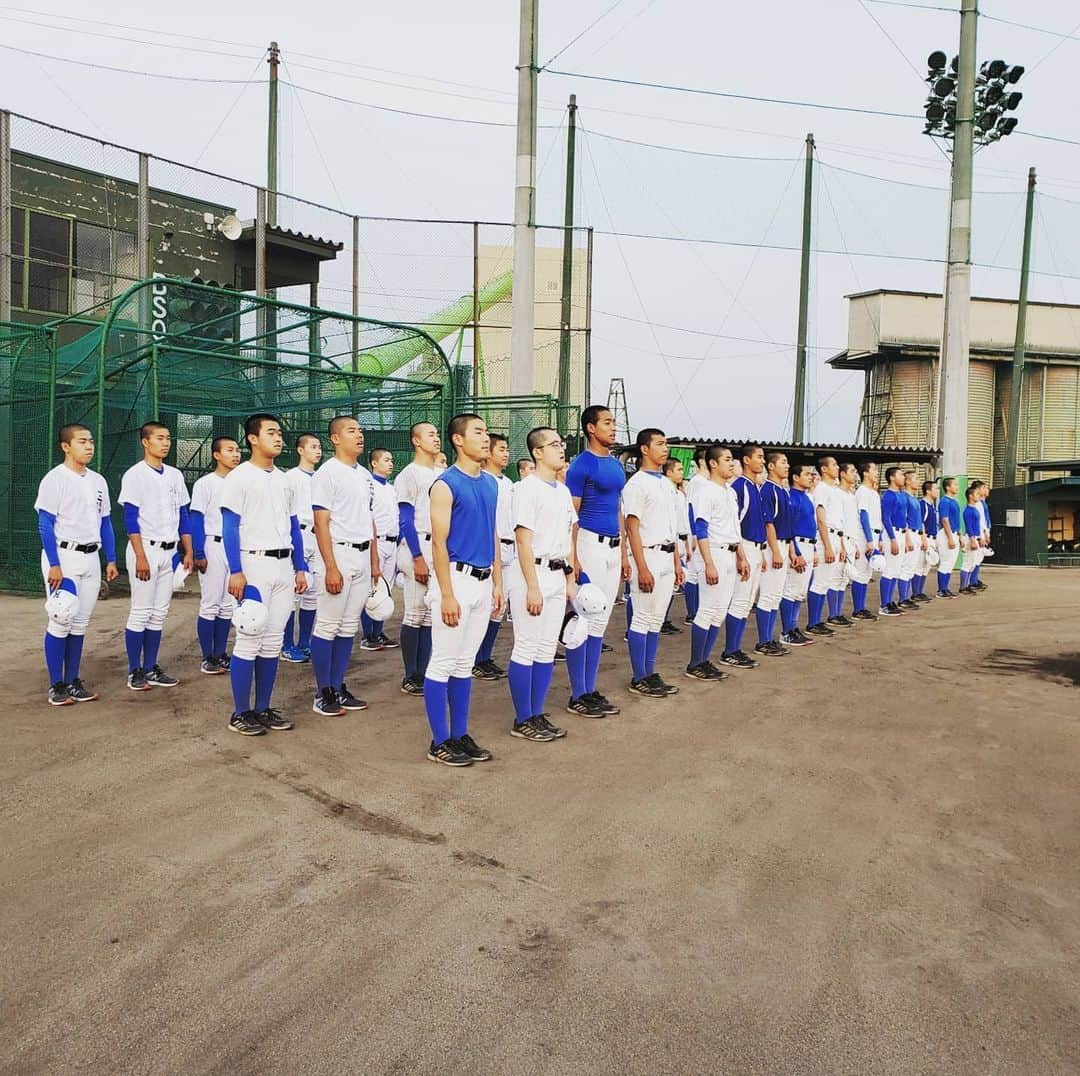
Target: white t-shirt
[(206, 498), (384, 507), (693, 485), (852, 524), (79, 501), (869, 501), (300, 482), (504, 524), (717, 504), (682, 512), (647, 496), (828, 497), (413, 486), (347, 493), (159, 496), (546, 509), (264, 502)]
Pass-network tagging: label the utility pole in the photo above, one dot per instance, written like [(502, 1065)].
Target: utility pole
[(522, 309), (567, 263), (953, 412), (798, 425), (274, 60), (1012, 440)]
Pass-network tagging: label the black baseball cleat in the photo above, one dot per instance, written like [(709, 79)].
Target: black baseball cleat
[(78, 691), (584, 706), (223, 660), (892, 609), (273, 719), (802, 637), (470, 748), (386, 642), (946, 594), (700, 671), (137, 680), (795, 638), (607, 707), (923, 598), (211, 667), (543, 722), (158, 677), (648, 689), (820, 629), (909, 604), (411, 687), (326, 704), (370, 642), (864, 614), (530, 729), (738, 660), (771, 649), (980, 585), (667, 628), (967, 590), (658, 681), (604, 648), (448, 753), (58, 695), (485, 670), (840, 621), (347, 699), (247, 724)]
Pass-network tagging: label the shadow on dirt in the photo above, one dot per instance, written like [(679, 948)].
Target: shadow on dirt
[(1063, 668)]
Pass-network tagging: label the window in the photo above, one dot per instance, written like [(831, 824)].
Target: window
[(104, 265), (18, 252), (48, 263)]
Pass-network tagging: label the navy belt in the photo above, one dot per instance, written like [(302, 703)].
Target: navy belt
[(160, 545), (356, 545), (472, 569), (388, 537), (87, 547), (556, 564), (611, 540), (276, 554)]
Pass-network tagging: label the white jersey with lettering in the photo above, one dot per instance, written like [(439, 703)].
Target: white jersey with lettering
[(347, 493), (159, 496), (300, 482), (647, 497), (79, 501), (263, 499)]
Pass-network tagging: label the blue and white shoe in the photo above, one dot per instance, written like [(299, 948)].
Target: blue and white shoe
[(294, 654)]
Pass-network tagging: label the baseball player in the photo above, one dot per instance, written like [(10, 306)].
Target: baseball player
[(825, 586), (914, 561), (723, 561), (931, 524), (412, 488), (776, 512), (385, 510), (673, 471), (948, 536), (651, 531), (868, 533), (595, 480), (538, 583), (499, 457), (525, 468), (802, 556), (74, 522), (215, 602), (309, 452), (855, 555), (973, 524), (440, 462), (465, 587), (265, 552), (894, 521), (984, 508), (692, 584), (342, 497), (155, 501)]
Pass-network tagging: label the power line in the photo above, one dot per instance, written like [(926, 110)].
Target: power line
[(125, 70), (574, 40), (232, 108), (686, 149), (915, 7), (1071, 36)]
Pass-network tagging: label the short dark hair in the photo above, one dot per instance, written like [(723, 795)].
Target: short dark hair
[(591, 415), (217, 442), (671, 463), (971, 490), (254, 423), (864, 467), (889, 472), (800, 467), (335, 423), (457, 424), (532, 442), (748, 450), (380, 451), (845, 467), (520, 462), (714, 452), (823, 460), (416, 425), (928, 485), (497, 438), (302, 437), (773, 456), (950, 481), (67, 432), (699, 453), (148, 428), (644, 439)]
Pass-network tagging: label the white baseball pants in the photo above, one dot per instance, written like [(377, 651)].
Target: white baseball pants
[(275, 580), (536, 637), (150, 598), (650, 608), (417, 612), (453, 650), (603, 565), (339, 614), (714, 599), (773, 580), (84, 570), (910, 559), (857, 569), (214, 597), (796, 584), (746, 589), (948, 556), (972, 558)]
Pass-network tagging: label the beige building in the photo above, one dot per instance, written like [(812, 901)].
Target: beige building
[(494, 365), (894, 337)]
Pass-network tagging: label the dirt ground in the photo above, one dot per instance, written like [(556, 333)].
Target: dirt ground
[(861, 858)]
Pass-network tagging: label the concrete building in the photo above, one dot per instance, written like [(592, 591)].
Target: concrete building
[(894, 337)]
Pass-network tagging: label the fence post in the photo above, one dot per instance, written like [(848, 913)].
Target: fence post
[(355, 293), (476, 308), (5, 216), (588, 318), (142, 240)]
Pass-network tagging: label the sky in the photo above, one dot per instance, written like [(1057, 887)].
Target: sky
[(701, 323)]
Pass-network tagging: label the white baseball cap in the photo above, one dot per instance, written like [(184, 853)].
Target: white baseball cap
[(250, 615), (380, 604), (62, 602), (590, 600), (575, 632)]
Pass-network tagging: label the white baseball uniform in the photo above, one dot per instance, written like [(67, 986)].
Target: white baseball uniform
[(79, 502), (691, 486), (504, 527), (547, 511), (869, 501), (854, 541), (796, 584), (773, 580), (384, 508), (829, 576), (347, 493), (413, 486), (214, 597), (158, 496), (715, 503), (300, 481), (264, 502), (647, 498)]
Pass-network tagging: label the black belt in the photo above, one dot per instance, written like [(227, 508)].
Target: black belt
[(473, 570), (214, 537), (756, 545), (307, 526), (683, 537), (277, 554), (811, 541), (609, 539), (388, 537), (839, 534), (161, 545), (664, 547), (507, 541), (356, 545), (734, 548), (556, 564), (877, 530), (88, 547)]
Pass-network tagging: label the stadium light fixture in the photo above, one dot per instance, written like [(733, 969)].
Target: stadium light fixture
[(993, 98)]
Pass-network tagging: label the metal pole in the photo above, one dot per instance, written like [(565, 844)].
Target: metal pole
[(563, 391), (355, 293), (274, 60), (142, 241), (798, 424), (476, 308), (260, 259), (953, 413), (5, 216), (588, 316), (1012, 439), (523, 313)]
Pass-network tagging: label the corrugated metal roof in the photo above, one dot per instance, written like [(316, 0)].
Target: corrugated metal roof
[(807, 446), (288, 233)]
